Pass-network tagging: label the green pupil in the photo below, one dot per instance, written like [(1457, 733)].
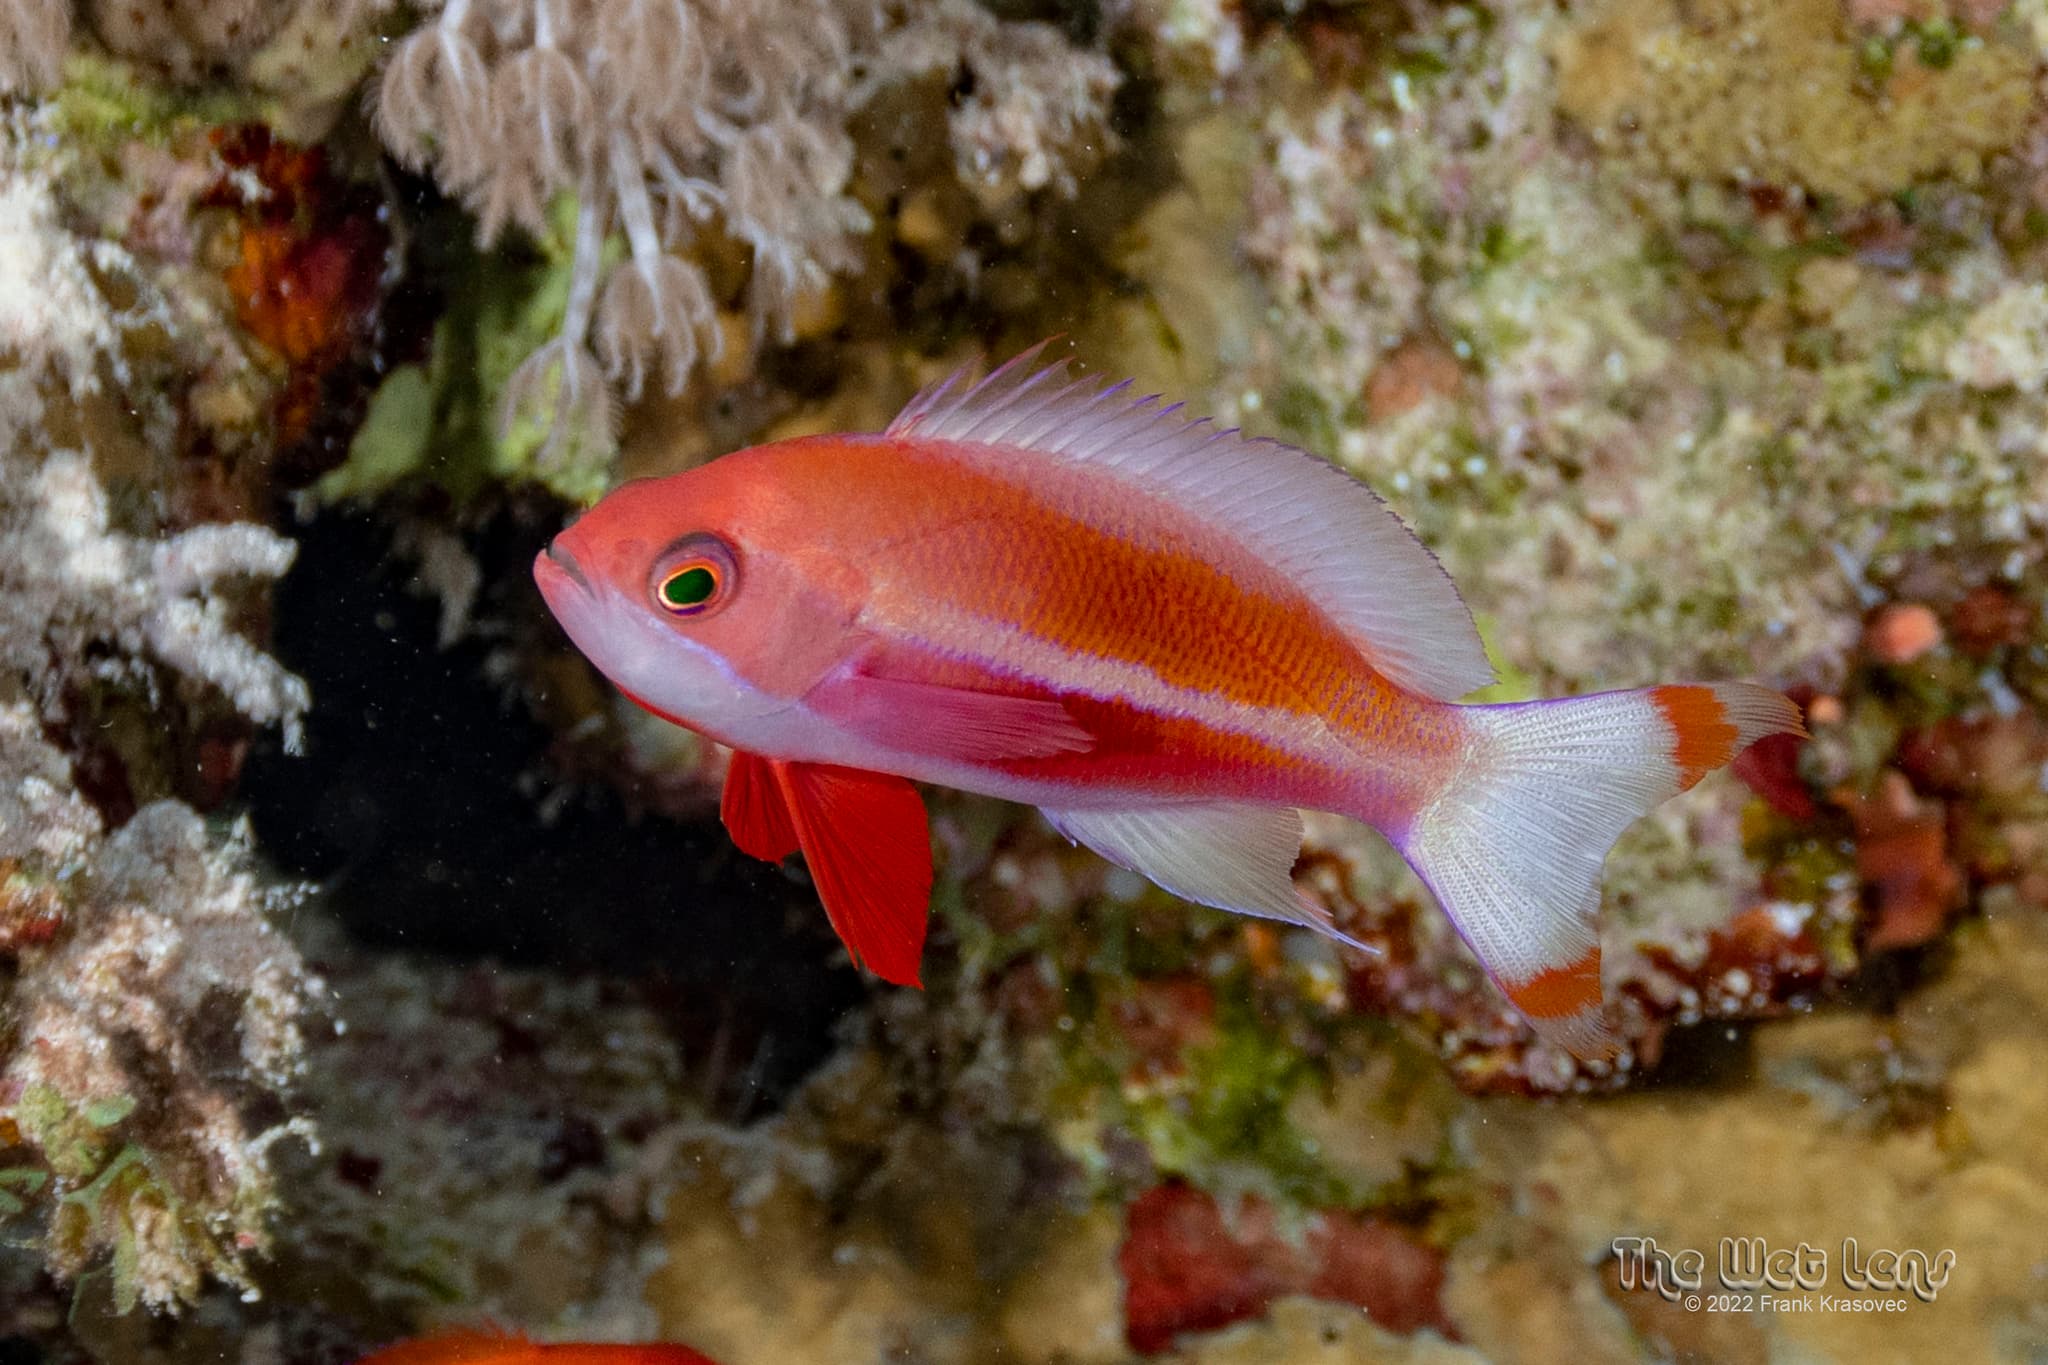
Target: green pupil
[(690, 588)]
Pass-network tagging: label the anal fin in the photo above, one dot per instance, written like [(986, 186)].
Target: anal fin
[(1232, 857)]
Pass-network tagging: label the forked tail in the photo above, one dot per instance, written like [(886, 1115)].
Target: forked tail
[(1514, 845)]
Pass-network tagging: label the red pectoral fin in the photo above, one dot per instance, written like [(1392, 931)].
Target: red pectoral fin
[(754, 810), (869, 848)]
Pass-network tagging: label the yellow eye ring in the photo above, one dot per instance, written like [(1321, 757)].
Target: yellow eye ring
[(694, 577)]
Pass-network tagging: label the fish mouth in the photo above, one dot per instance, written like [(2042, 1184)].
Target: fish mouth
[(559, 576)]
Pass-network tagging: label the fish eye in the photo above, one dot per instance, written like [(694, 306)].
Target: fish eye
[(693, 576)]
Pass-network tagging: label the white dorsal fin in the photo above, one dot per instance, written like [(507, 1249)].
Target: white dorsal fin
[(1306, 518)]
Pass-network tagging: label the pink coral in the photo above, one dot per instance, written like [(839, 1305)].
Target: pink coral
[(660, 119), (671, 121)]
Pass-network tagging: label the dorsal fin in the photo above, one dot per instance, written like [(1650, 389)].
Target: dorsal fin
[(1306, 518)]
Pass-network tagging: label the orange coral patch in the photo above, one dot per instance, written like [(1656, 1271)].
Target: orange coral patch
[(1560, 992), (1703, 738)]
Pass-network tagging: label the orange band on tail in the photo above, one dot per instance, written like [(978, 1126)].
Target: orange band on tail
[(1703, 737), (1559, 992), (1564, 1004)]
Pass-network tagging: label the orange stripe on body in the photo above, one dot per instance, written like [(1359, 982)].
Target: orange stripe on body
[(1559, 992), (976, 558), (1703, 738), (1101, 569)]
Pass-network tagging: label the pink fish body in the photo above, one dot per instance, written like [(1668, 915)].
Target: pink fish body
[(1171, 639)]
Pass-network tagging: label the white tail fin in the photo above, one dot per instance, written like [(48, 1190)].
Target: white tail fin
[(1514, 845)]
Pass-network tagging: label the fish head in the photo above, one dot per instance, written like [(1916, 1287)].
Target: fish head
[(701, 597)]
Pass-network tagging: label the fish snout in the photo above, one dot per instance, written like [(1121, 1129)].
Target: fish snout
[(560, 578)]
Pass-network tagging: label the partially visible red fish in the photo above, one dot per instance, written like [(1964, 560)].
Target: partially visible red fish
[(1168, 638), (485, 1347)]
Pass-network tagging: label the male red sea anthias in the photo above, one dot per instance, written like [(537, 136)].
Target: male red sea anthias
[(1167, 637)]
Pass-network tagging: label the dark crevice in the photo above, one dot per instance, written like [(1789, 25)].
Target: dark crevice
[(417, 804)]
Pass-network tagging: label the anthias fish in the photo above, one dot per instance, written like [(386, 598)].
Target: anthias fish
[(1169, 638), (484, 1347)]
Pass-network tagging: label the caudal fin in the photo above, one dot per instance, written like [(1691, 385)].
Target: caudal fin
[(1514, 846)]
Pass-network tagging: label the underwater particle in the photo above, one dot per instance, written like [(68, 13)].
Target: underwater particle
[(1902, 632), (1188, 1268)]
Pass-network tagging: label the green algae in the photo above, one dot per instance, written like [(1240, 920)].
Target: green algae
[(1215, 1106), (111, 1199), (105, 101), (29, 1180), (443, 424)]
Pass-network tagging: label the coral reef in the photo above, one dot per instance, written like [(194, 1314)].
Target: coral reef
[(150, 1028), (1551, 279), (1030, 112), (690, 129), (1562, 362), (84, 605), (1699, 341), (187, 40), (148, 1010), (1702, 91), (73, 587), (1522, 1203), (518, 1173), (294, 65), (1186, 1269), (33, 39)]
